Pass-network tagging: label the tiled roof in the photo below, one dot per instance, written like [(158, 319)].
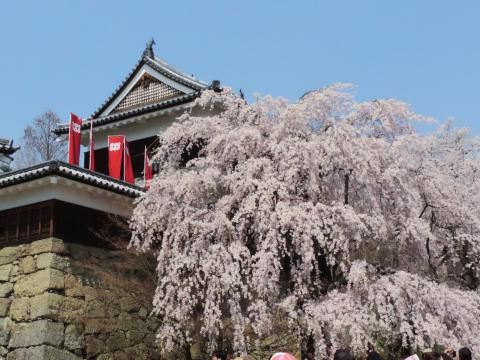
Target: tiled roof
[(60, 168), (63, 128), (158, 65)]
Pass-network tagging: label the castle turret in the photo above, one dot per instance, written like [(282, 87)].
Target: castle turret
[(6, 151)]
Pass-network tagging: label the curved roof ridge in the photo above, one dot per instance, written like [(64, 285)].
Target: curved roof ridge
[(178, 72), (118, 89)]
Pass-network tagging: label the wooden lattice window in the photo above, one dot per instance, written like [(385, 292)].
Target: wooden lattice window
[(26, 224), (148, 90)]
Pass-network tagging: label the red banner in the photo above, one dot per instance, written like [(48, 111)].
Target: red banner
[(115, 152), (127, 167), (147, 170), (74, 139), (91, 162)]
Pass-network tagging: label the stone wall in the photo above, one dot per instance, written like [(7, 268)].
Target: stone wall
[(67, 301)]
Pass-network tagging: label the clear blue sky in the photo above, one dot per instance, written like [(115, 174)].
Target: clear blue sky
[(70, 55)]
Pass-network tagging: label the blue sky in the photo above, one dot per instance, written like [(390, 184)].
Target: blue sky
[(70, 55)]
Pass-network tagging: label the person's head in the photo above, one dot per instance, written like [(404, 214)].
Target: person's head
[(216, 356), (446, 356), (373, 355), (464, 354), (342, 354), (427, 354)]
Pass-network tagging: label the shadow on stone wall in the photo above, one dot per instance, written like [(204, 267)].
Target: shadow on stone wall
[(68, 301)]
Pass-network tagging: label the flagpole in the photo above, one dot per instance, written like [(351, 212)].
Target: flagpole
[(69, 136), (91, 138), (124, 159)]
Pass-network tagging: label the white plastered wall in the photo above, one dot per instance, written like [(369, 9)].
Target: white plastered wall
[(59, 188)]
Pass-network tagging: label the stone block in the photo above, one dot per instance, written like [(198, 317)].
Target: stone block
[(143, 313), (91, 293), (5, 289), (51, 353), (108, 356), (9, 254), (116, 341), (128, 322), (140, 351), (79, 252), (99, 325), (42, 352), (73, 309), (39, 282), (20, 309), (5, 271), (18, 354), (120, 355), (135, 336), (40, 332), (4, 306), (74, 338), (93, 346), (82, 286), (73, 286), (76, 268), (27, 265), (5, 330), (102, 253), (129, 304), (152, 324), (56, 307), (47, 245), (96, 309), (15, 272), (51, 260), (45, 305)]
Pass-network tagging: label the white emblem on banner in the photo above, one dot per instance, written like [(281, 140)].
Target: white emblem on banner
[(115, 146), (76, 128)]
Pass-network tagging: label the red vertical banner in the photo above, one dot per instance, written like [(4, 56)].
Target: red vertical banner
[(147, 170), (91, 162), (115, 153), (127, 167), (74, 139)]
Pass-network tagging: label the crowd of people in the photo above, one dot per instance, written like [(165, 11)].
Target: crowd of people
[(427, 354)]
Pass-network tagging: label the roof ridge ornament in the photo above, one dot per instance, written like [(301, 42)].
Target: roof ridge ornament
[(148, 52), (215, 86)]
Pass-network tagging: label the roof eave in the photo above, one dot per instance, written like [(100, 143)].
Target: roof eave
[(9, 150), (60, 168), (184, 99)]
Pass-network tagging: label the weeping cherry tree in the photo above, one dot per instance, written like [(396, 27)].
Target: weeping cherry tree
[(329, 218)]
